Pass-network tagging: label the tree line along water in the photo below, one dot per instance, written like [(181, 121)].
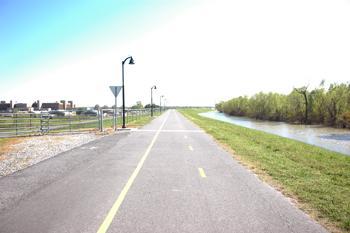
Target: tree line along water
[(328, 106)]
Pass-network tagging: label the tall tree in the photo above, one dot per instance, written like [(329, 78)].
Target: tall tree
[(303, 91), (337, 102), (138, 105), (320, 105)]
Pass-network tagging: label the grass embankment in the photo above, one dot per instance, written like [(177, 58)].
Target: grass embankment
[(317, 178)]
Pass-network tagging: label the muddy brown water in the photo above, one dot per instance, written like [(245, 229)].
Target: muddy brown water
[(326, 137)]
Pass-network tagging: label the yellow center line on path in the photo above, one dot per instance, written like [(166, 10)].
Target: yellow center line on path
[(113, 211), (190, 148), (201, 172)]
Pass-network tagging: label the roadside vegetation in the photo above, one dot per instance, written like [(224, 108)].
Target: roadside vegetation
[(317, 178), (328, 106), (132, 121), (5, 144)]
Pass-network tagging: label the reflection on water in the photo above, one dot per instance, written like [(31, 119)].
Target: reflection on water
[(341, 137), (326, 137)]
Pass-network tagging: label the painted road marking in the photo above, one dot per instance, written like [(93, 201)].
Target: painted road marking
[(113, 211), (190, 147), (169, 130), (201, 172)]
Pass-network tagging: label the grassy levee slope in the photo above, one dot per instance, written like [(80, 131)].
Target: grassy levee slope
[(318, 178)]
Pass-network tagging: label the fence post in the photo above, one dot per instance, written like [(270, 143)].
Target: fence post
[(70, 122), (98, 119), (41, 123), (114, 120), (16, 123), (101, 120)]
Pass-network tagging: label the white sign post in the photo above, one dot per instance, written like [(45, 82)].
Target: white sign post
[(115, 90)]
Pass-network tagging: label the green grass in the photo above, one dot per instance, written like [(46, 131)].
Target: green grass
[(131, 121), (318, 178), (33, 124)]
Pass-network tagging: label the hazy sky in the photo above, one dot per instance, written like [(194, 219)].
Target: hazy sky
[(197, 52)]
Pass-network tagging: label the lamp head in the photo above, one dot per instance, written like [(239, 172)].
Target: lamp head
[(131, 62)]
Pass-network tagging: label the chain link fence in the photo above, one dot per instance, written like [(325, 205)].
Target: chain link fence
[(25, 124)]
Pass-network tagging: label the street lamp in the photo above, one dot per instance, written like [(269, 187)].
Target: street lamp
[(131, 62), (153, 87), (160, 103)]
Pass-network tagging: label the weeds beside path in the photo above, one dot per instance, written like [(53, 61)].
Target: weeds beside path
[(5, 145), (319, 179)]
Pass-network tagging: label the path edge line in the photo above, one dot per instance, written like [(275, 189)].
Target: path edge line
[(113, 211)]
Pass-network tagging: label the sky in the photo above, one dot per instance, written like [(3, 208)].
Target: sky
[(197, 52)]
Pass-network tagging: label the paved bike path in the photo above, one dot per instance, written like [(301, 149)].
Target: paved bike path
[(185, 183)]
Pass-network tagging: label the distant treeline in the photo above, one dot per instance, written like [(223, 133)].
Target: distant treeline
[(329, 106)]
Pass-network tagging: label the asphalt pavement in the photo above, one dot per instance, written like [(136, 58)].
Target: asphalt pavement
[(168, 176)]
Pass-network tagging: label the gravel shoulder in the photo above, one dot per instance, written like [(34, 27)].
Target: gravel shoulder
[(28, 151)]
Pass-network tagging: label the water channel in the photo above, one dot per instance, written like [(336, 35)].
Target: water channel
[(326, 137)]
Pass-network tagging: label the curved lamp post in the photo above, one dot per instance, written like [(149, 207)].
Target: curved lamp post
[(153, 87), (131, 62), (160, 103)]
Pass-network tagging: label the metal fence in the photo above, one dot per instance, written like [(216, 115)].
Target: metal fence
[(25, 124)]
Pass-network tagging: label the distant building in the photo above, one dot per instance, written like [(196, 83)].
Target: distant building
[(5, 107), (20, 107), (63, 102), (62, 105), (70, 105), (52, 106)]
